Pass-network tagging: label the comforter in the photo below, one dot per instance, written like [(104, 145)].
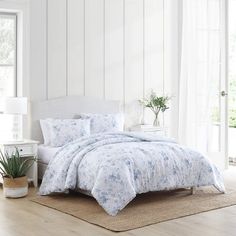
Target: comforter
[(114, 167)]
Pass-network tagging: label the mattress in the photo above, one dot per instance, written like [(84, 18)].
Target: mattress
[(45, 153)]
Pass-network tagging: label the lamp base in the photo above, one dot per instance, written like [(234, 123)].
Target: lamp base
[(17, 129), (17, 138)]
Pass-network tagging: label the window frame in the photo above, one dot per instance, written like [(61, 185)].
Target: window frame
[(14, 16)]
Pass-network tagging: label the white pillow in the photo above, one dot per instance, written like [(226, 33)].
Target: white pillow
[(100, 123), (58, 132), (45, 127)]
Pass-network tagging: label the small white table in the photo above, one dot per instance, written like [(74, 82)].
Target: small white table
[(150, 129), (27, 149)]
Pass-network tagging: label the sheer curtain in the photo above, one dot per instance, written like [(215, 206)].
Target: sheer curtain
[(199, 109)]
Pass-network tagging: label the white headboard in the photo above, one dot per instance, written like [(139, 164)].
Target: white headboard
[(67, 107)]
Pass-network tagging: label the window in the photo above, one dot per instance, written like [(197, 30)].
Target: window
[(8, 68), (8, 52), (232, 79)]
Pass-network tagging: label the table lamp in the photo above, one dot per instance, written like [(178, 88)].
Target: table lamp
[(16, 106)]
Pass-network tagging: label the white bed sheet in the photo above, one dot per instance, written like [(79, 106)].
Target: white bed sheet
[(46, 153)]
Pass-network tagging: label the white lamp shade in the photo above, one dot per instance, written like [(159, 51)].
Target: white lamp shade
[(15, 105)]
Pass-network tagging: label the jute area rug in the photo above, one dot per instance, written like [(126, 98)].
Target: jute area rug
[(145, 209)]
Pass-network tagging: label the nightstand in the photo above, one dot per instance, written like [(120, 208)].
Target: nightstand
[(27, 149), (149, 129)]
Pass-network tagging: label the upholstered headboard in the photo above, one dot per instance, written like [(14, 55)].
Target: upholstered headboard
[(67, 107)]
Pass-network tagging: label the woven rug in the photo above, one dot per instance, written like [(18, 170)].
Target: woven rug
[(145, 209)]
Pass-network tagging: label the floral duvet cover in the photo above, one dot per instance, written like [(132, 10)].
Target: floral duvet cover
[(115, 167)]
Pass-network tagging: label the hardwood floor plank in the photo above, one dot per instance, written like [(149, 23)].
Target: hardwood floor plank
[(21, 217)]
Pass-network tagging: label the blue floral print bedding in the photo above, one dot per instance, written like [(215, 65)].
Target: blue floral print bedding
[(115, 167)]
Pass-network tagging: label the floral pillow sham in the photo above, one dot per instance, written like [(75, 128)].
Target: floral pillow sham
[(100, 123), (63, 131)]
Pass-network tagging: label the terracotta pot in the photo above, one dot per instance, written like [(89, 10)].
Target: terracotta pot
[(15, 188)]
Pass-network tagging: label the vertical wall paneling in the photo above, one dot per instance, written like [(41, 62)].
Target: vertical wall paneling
[(75, 47), (94, 48), (114, 49), (133, 59), (154, 45), (38, 26), (154, 63), (57, 48)]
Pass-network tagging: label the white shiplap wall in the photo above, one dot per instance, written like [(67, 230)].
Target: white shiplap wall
[(110, 49)]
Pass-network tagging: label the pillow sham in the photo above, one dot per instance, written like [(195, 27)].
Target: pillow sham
[(45, 127), (62, 131), (100, 123)]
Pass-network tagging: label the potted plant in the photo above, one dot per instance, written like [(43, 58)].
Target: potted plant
[(13, 170), (156, 104)]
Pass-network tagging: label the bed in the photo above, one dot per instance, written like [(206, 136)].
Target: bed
[(45, 154), (115, 166)]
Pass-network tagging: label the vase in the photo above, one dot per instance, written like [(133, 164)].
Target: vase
[(156, 121)]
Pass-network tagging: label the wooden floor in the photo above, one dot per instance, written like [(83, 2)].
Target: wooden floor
[(23, 217)]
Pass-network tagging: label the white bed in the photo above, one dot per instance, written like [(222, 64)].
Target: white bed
[(113, 166)]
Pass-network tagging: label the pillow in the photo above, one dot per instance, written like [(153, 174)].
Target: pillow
[(45, 127), (63, 131), (100, 123)]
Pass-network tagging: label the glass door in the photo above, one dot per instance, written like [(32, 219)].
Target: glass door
[(232, 79), (218, 95), (211, 85)]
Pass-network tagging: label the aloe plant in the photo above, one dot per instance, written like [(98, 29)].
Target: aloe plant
[(14, 166)]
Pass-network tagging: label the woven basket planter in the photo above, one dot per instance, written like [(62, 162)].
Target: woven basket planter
[(15, 188)]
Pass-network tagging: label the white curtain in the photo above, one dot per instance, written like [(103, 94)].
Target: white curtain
[(199, 86)]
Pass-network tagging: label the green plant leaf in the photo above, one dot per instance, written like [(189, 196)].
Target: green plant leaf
[(155, 103), (14, 166), (4, 163), (25, 165)]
